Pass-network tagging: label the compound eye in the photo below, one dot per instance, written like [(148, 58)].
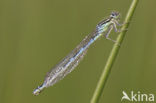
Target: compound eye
[(113, 14)]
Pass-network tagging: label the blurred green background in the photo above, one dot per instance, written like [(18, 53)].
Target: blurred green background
[(36, 34)]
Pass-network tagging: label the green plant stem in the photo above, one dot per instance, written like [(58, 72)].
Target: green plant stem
[(113, 54)]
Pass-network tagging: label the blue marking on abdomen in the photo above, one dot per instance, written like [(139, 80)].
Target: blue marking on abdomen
[(83, 49), (80, 52)]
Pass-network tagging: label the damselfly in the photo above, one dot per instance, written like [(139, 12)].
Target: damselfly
[(72, 59)]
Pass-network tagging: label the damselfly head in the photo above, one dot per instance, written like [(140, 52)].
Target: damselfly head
[(115, 15)]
